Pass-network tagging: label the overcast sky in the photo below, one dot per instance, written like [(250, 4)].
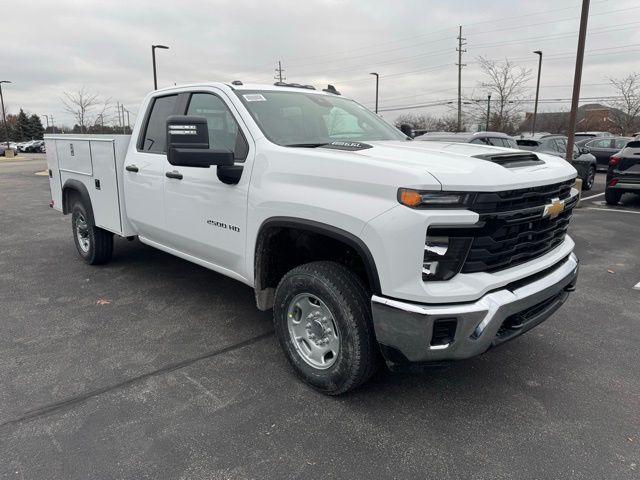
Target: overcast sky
[(49, 47)]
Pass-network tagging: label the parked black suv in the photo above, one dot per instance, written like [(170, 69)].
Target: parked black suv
[(623, 174)]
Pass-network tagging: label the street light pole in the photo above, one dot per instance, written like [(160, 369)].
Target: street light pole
[(4, 118), (153, 57), (46, 117), (488, 111), (377, 79), (577, 79), (535, 106)]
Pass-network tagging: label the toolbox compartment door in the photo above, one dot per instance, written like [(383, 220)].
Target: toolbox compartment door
[(54, 174), (104, 187)]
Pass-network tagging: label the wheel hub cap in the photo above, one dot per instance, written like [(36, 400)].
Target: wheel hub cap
[(313, 331), (82, 232)]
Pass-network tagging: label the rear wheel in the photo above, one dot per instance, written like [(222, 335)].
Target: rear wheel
[(322, 319), (94, 244), (589, 179), (612, 197)]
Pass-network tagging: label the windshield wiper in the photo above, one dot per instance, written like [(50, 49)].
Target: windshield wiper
[(307, 145)]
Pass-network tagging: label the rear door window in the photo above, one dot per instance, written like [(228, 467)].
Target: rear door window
[(155, 136), (561, 145), (620, 143), (602, 143)]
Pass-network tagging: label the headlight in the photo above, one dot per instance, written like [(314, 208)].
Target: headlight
[(444, 256), (424, 199)]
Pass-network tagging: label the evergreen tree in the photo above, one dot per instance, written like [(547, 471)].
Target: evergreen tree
[(36, 129), (22, 128)]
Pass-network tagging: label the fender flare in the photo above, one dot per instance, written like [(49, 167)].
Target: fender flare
[(330, 231), (78, 186)]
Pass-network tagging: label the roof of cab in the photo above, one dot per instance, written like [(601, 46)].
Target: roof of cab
[(244, 86)]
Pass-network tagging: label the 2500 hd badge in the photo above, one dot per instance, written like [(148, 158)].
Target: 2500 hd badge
[(218, 224)]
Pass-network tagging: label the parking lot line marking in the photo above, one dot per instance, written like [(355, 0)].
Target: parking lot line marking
[(636, 286), (593, 196), (613, 210), (79, 399)]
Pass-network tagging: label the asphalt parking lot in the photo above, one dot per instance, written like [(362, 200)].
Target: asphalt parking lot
[(153, 367)]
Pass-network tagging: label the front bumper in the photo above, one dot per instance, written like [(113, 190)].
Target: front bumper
[(405, 331)]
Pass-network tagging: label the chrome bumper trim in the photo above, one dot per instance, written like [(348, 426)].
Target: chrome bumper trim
[(406, 328)]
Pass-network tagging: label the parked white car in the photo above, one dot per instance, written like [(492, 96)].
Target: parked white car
[(360, 240)]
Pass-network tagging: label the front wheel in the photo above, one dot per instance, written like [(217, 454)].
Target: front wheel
[(322, 318), (589, 179), (94, 244)]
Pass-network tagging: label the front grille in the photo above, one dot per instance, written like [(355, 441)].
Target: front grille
[(509, 200), (511, 229)]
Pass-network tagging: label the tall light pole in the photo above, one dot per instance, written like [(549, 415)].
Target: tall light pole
[(577, 78), (535, 105), (4, 118), (488, 111), (46, 117), (377, 80), (153, 56)]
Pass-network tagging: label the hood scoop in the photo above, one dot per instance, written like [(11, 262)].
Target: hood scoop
[(512, 160)]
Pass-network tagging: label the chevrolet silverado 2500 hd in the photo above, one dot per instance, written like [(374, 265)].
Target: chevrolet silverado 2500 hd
[(365, 244)]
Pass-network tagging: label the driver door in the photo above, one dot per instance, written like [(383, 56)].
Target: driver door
[(205, 217)]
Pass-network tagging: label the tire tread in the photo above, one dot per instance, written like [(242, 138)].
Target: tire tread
[(352, 295)]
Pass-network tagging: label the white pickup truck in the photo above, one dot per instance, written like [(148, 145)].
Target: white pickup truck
[(365, 244)]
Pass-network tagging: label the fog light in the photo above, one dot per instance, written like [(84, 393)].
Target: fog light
[(443, 256)]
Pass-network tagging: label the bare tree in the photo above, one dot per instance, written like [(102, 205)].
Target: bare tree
[(105, 116), (431, 123), (506, 82), (627, 104), (418, 121), (80, 104)]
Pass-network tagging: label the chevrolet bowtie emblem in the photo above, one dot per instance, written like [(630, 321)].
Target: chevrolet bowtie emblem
[(555, 208)]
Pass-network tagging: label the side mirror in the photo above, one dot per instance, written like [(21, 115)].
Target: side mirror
[(585, 150), (188, 144), (406, 129)]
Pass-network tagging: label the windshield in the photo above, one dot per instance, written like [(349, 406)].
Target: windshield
[(308, 119)]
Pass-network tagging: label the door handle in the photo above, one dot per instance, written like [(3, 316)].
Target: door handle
[(131, 168), (174, 174)]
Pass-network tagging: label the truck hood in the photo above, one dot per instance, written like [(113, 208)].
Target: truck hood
[(456, 167)]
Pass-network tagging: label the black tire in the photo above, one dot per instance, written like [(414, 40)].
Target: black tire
[(589, 179), (98, 247), (612, 197), (346, 298)]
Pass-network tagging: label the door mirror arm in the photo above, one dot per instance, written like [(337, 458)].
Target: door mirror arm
[(230, 174)]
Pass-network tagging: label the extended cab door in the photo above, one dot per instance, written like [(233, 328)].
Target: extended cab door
[(205, 217), (145, 168)]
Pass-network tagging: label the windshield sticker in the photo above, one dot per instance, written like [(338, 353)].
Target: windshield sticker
[(254, 97)]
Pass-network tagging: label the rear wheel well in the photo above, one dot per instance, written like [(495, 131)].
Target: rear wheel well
[(282, 247), (72, 191), (69, 197)]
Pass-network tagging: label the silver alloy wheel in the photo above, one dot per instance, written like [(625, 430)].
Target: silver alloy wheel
[(591, 177), (82, 232), (313, 331)]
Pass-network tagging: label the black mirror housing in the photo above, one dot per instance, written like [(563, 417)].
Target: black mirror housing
[(188, 144), (406, 129)]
